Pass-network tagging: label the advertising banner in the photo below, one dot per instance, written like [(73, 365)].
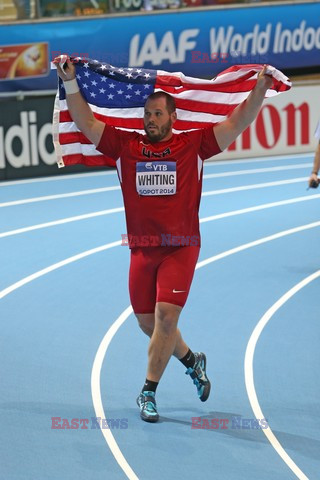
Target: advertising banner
[(285, 125), (24, 61), (198, 43), (26, 146)]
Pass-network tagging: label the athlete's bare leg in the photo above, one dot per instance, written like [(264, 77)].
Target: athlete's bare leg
[(166, 339)]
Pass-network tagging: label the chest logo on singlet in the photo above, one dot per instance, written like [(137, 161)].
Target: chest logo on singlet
[(156, 178), (150, 154)]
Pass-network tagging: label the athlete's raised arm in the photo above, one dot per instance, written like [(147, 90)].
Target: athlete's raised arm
[(78, 107), (244, 114)]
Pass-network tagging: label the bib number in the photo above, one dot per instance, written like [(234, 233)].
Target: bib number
[(156, 178)]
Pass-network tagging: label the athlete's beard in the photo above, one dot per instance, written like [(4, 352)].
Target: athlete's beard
[(160, 133)]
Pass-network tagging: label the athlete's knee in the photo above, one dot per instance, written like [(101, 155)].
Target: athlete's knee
[(146, 323), (167, 316)]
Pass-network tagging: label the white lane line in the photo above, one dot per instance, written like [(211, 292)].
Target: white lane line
[(254, 186), (102, 350), (67, 176), (257, 170), (211, 163), (260, 207), (249, 378), (61, 222), (58, 196), (55, 266), (260, 241), (108, 189), (96, 393), (121, 209)]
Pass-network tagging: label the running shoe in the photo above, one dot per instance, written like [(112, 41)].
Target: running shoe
[(148, 407), (199, 376)]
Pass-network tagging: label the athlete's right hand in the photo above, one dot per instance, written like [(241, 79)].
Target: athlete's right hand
[(68, 72), (313, 181)]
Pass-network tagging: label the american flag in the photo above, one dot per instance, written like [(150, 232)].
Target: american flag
[(117, 96)]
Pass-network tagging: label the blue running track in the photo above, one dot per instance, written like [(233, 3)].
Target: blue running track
[(71, 348)]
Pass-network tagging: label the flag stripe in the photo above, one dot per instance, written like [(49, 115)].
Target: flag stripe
[(206, 96), (213, 108), (77, 147), (90, 160), (114, 121)]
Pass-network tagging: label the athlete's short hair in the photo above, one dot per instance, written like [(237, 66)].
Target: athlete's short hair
[(170, 102)]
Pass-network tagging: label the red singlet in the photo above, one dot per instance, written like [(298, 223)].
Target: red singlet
[(161, 183)]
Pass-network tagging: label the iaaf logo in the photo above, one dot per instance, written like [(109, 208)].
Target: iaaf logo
[(259, 40), (24, 144)]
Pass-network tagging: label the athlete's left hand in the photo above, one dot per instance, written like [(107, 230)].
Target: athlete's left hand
[(264, 79)]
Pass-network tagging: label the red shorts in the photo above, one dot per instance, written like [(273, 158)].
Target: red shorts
[(161, 274)]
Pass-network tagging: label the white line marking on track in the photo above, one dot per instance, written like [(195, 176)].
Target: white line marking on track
[(58, 196), (259, 207), (67, 176), (96, 392), (211, 163), (260, 241), (55, 266), (248, 372), (254, 186), (257, 170), (121, 209), (61, 222)]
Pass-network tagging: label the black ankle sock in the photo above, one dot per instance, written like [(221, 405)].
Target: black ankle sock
[(188, 360), (149, 386)]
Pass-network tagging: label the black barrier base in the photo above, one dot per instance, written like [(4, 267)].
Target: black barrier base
[(47, 171)]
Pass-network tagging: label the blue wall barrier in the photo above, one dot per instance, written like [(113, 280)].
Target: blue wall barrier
[(199, 43)]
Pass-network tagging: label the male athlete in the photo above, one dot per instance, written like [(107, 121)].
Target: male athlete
[(161, 181)]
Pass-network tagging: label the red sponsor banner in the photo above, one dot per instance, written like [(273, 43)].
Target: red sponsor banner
[(24, 61), (285, 125)]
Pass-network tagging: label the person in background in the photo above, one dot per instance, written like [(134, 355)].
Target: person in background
[(314, 180), (23, 8)]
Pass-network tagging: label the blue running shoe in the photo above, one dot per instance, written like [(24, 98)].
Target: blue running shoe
[(148, 407), (199, 376)]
